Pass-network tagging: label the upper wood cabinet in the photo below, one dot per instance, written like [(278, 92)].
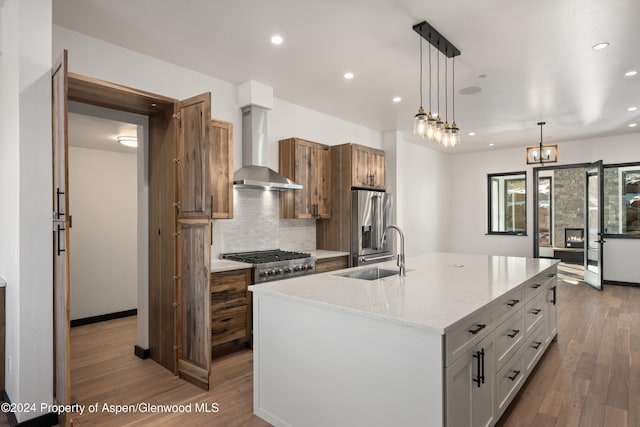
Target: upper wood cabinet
[(306, 163), (368, 167), (221, 164)]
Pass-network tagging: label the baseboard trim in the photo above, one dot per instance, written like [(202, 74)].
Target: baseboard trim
[(142, 353), (45, 420), (103, 317), (618, 283)]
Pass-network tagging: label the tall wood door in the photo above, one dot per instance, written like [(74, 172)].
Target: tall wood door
[(377, 168), (221, 165), (193, 338), (61, 225), (361, 169), (322, 197), (305, 175)]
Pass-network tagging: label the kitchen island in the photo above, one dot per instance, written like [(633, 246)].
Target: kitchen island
[(449, 344)]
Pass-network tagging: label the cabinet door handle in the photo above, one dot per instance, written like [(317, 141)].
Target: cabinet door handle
[(59, 229), (478, 328), (59, 193), (513, 302), (513, 333), (536, 311), (514, 376), (477, 379), (553, 301), (536, 344), (482, 375), (536, 286)]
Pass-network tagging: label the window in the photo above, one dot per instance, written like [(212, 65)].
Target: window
[(508, 203), (545, 231), (622, 200)]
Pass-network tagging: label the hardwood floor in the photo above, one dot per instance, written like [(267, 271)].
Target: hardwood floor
[(589, 377)]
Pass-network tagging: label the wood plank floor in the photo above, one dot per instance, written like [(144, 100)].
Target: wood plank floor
[(589, 377)]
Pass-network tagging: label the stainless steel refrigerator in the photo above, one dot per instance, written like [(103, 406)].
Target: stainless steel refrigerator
[(371, 213)]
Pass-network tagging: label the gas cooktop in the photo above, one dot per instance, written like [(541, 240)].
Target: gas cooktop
[(275, 264)]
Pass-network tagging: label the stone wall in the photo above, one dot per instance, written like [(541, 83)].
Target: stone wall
[(612, 200), (568, 202)]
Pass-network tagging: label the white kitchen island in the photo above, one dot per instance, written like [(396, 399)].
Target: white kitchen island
[(449, 344)]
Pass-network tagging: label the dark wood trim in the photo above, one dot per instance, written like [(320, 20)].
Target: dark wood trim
[(142, 353), (619, 283), (103, 317), (45, 420)]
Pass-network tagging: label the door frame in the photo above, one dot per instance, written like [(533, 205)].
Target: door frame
[(594, 279)]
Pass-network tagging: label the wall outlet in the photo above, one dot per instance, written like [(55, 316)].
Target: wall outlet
[(9, 366)]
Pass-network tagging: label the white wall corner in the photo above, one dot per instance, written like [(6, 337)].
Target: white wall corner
[(255, 93)]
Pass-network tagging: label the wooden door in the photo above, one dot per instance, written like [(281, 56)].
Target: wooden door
[(304, 175), (323, 182), (193, 338), (377, 168), (61, 225), (361, 168), (221, 164), (194, 343), (194, 115)]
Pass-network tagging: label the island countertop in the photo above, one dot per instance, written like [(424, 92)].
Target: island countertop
[(439, 290)]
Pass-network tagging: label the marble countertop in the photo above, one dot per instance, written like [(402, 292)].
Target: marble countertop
[(3, 283), (323, 253), (219, 265), (439, 289)]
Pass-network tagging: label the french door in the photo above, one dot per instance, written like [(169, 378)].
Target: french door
[(594, 225)]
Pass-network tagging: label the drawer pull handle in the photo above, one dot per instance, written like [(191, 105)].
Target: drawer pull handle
[(478, 328), (514, 376), (477, 379), (554, 300), (514, 333), (513, 302), (536, 344), (536, 286), (536, 311), (551, 275)]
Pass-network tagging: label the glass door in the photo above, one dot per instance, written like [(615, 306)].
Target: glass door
[(594, 225)]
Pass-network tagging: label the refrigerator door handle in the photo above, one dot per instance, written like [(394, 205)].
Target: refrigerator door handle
[(376, 222)]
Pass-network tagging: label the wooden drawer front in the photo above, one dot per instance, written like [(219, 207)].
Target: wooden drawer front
[(534, 313), (229, 289), (509, 337), (507, 304), (533, 348), (229, 325), (332, 264), (534, 287), (508, 380), (461, 336)]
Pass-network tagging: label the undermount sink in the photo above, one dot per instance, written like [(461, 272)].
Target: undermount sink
[(373, 273)]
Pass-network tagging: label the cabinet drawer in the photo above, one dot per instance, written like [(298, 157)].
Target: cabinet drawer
[(509, 337), (229, 325), (461, 336), (534, 313), (508, 380), (229, 289), (332, 264), (533, 287), (534, 347), (507, 304)]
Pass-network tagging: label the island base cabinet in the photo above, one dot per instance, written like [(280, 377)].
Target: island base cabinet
[(470, 387), (551, 323)]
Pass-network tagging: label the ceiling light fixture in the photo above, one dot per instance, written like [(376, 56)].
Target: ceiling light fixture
[(128, 141), (491, 144), (542, 153), (397, 99), (630, 73), (472, 134), (600, 46), (428, 126), (632, 108), (348, 75), (632, 125), (276, 39)]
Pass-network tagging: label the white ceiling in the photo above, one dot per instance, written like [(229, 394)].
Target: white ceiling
[(536, 56), (99, 133)]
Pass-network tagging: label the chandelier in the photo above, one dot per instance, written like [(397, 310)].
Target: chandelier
[(426, 125), (542, 153)]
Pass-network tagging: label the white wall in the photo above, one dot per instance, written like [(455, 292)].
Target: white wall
[(25, 189), (103, 241), (469, 205)]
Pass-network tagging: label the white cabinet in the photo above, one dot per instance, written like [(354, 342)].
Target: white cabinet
[(471, 386), (551, 323)]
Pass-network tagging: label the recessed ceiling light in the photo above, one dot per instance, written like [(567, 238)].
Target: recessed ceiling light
[(397, 99), (128, 141), (276, 39), (632, 125), (491, 144), (472, 134), (632, 108), (630, 73), (482, 76), (600, 46), (348, 75)]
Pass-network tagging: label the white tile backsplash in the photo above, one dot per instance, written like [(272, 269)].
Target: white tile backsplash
[(256, 225)]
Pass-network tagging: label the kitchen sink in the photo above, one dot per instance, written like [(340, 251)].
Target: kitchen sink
[(374, 273)]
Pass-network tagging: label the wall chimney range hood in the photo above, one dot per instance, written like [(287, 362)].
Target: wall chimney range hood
[(253, 173)]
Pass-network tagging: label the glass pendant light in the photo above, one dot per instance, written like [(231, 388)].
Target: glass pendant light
[(420, 120), (431, 121), (454, 139), (439, 130), (447, 129)]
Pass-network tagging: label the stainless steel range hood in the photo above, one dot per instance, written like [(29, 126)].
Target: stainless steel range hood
[(254, 173)]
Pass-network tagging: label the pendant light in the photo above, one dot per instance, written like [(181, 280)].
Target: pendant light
[(439, 124), (542, 153), (454, 139), (447, 129), (420, 121), (431, 121)]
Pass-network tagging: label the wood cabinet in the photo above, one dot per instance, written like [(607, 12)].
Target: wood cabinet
[(221, 164), (490, 355), (308, 164), (367, 167), (230, 311), (331, 264)]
